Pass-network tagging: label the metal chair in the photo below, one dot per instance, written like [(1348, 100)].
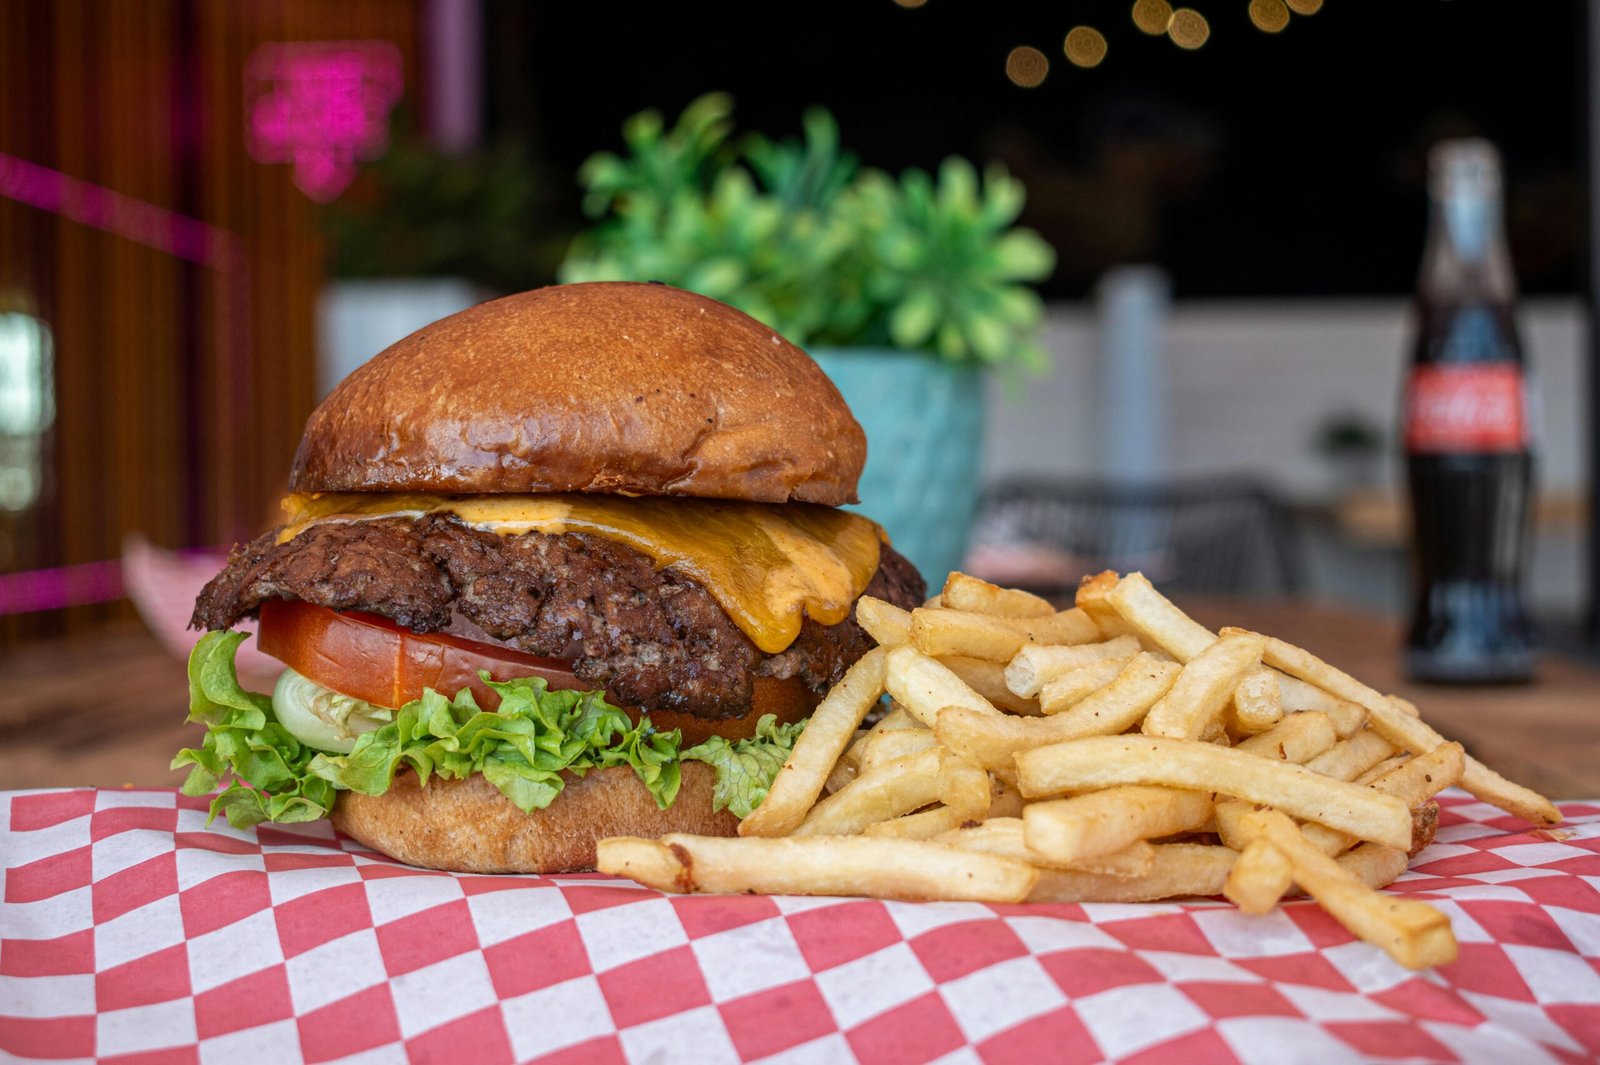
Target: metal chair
[(1226, 536)]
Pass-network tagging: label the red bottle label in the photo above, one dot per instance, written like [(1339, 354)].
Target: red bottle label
[(1472, 407)]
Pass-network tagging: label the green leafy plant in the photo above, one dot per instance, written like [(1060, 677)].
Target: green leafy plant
[(800, 236), (490, 216)]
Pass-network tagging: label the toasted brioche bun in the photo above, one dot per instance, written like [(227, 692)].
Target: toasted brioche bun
[(468, 826), (615, 387)]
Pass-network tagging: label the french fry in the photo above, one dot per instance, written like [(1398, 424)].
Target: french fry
[(849, 764), (1298, 695), (1413, 782), (1348, 718), (1204, 687), (1229, 824), (1410, 931), (833, 725), (898, 716), (1107, 761), (884, 747), (988, 679), (1373, 864), (1153, 617), (1136, 859), (940, 632), (1092, 599), (1179, 870), (1383, 767), (1348, 759), (1158, 620), (964, 592), (824, 865), (1067, 626), (924, 686), (1257, 703), (1035, 665), (891, 790), (990, 740), (1137, 687), (1071, 688), (1405, 705), (1297, 738), (964, 788), (1425, 775), (853, 750), (1424, 827), (1003, 836), (646, 860), (1410, 732), (1261, 876), (1005, 800), (886, 623), (1073, 830), (842, 773), (925, 824)]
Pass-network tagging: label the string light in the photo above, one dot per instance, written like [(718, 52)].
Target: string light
[(1152, 16), (1085, 46), (1269, 16), (1188, 29), (1027, 66)]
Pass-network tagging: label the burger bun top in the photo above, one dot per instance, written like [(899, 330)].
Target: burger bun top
[(612, 387)]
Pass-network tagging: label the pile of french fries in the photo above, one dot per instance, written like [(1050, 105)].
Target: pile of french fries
[(1117, 751)]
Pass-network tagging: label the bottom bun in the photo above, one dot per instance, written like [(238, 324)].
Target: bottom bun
[(468, 826)]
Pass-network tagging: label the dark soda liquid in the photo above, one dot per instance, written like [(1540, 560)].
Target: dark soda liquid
[(1469, 515)]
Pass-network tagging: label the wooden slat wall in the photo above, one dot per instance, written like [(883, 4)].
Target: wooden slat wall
[(162, 427)]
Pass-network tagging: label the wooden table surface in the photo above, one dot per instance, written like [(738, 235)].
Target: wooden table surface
[(109, 711)]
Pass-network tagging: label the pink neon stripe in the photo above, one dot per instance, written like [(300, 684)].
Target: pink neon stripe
[(54, 589), (112, 212)]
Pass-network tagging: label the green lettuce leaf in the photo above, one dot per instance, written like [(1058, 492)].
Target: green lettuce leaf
[(745, 768), (522, 748), (244, 740)]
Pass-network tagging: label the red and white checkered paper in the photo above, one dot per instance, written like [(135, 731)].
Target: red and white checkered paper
[(129, 931)]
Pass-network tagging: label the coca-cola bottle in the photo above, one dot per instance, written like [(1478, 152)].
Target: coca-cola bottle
[(1467, 428)]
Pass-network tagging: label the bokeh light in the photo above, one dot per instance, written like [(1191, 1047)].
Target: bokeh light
[(1305, 7), (911, 3), (1085, 46), (1027, 66), (1269, 16), (1188, 29), (1152, 16)]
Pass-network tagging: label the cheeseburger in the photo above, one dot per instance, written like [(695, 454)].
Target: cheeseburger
[(565, 565)]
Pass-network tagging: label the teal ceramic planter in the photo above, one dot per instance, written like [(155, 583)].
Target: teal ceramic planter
[(924, 422)]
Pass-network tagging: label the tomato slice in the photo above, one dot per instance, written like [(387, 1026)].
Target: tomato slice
[(373, 659)]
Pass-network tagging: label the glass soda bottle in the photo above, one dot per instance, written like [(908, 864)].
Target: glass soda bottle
[(1466, 422)]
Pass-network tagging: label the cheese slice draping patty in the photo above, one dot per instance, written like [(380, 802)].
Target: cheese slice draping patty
[(768, 565)]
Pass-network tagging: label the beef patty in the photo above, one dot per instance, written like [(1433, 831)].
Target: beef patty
[(651, 637)]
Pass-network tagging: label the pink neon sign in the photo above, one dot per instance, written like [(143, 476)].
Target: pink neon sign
[(321, 105)]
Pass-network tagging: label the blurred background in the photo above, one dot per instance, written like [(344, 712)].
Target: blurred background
[(1147, 272)]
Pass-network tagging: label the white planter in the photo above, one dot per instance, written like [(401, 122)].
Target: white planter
[(358, 319)]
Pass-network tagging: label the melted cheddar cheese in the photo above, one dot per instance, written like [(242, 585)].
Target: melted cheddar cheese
[(766, 564)]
